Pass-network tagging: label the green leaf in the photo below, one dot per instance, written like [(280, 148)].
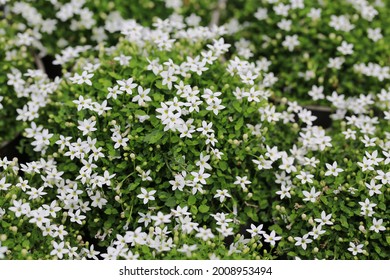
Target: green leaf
[(276, 228), (324, 200), (26, 243), (191, 200), (171, 202), (263, 204), (159, 85), (249, 211), (382, 206), (105, 83), (291, 254), (239, 124), (133, 186), (115, 75), (344, 221), (158, 97), (145, 250), (107, 224), (122, 165), (194, 210), (204, 208), (223, 165), (237, 106), (154, 136), (140, 112)]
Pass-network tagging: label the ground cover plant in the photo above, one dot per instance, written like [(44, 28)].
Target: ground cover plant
[(60, 24), (157, 141), (15, 59), (48, 33), (164, 141), (316, 47)]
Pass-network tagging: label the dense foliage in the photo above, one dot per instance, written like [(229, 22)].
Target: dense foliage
[(165, 138)]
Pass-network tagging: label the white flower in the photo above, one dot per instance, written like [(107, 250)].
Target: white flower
[(168, 77), (83, 78), (291, 42), (377, 225), (83, 103), (350, 134), (142, 96), (374, 34), (288, 164), (222, 194), (369, 142), (367, 164), (98, 200), (225, 230), (284, 191), (145, 176), (206, 128), (127, 85), (367, 207), (317, 231), (333, 169), (373, 187), (384, 177), (242, 181), (205, 234), (355, 249), (200, 177), (187, 249), (123, 60), (256, 230), (305, 177), (271, 238), (261, 14), (59, 249), (345, 48), (87, 126), (262, 163), (76, 217), (314, 14), (160, 218), (311, 196), (336, 62), (146, 196), (317, 92), (3, 185), (3, 250), (202, 163), (113, 92), (303, 241), (20, 208), (324, 220)]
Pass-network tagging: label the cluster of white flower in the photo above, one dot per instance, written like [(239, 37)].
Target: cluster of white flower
[(373, 70), (157, 87)]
